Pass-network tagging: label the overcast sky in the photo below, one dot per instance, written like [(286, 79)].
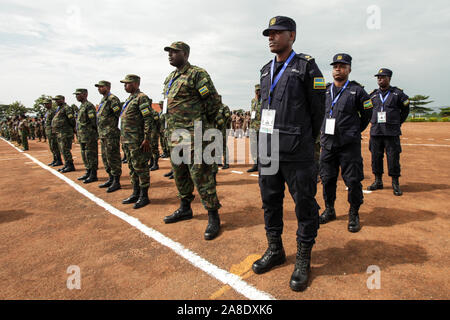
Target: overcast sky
[(53, 47)]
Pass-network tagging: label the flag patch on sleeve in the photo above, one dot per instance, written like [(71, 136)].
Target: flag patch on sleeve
[(319, 83), (145, 112), (203, 91), (368, 104)]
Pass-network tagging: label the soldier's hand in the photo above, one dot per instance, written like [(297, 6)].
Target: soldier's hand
[(145, 146)]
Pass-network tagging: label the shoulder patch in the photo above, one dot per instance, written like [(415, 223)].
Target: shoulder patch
[(319, 83), (145, 112), (116, 108), (368, 104), (203, 91)]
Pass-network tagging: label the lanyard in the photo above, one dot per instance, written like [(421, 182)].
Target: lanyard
[(384, 100), (125, 107), (57, 109), (274, 82), (170, 83), (335, 100), (100, 106)]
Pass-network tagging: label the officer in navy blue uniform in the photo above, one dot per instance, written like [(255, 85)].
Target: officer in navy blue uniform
[(347, 114), (293, 97), (391, 108)]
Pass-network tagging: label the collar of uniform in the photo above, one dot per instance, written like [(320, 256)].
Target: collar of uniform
[(184, 69), (134, 95)]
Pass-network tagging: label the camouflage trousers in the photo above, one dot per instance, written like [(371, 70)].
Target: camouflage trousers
[(154, 139), (89, 154), (53, 145), (225, 146), (138, 164), (24, 140), (65, 145), (202, 177), (163, 141), (111, 155)]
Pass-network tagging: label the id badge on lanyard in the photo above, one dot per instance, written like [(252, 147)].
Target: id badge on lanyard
[(330, 125), (381, 115), (267, 121), (253, 115), (164, 110)]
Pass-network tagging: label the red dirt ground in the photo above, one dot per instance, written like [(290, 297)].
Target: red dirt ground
[(47, 226)]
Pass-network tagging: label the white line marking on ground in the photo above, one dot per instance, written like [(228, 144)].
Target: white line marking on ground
[(223, 276), (426, 145), (254, 175), (238, 172), (11, 159)]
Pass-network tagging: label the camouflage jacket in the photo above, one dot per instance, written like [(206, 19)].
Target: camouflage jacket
[(86, 123), (255, 123), (192, 97), (63, 122), (108, 114), (49, 115), (23, 127), (136, 119), (223, 118)]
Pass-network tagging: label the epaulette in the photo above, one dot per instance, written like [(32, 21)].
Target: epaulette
[(373, 91), (305, 56), (328, 84), (357, 83), (266, 65)]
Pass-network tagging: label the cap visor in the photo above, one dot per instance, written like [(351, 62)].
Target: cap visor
[(279, 28), (343, 62), (168, 48)]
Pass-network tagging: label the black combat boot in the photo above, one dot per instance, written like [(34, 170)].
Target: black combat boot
[(168, 174), (85, 176), (328, 215), (396, 186), (155, 165), (378, 183), (63, 168), (107, 183), (124, 159), (115, 184), (300, 276), (273, 256), (213, 227), (134, 196), (69, 168), (53, 162), (58, 162), (184, 212), (353, 219), (254, 168), (92, 177), (143, 199)]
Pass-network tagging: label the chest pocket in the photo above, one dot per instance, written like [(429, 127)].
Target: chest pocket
[(346, 103), (181, 87)]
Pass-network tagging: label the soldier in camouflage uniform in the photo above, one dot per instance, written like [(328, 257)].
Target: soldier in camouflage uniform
[(32, 126), (136, 124), (108, 113), (24, 131), (223, 121), (63, 125), (52, 138), (191, 97), (39, 129), (154, 141), (255, 123), (162, 132), (87, 136)]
